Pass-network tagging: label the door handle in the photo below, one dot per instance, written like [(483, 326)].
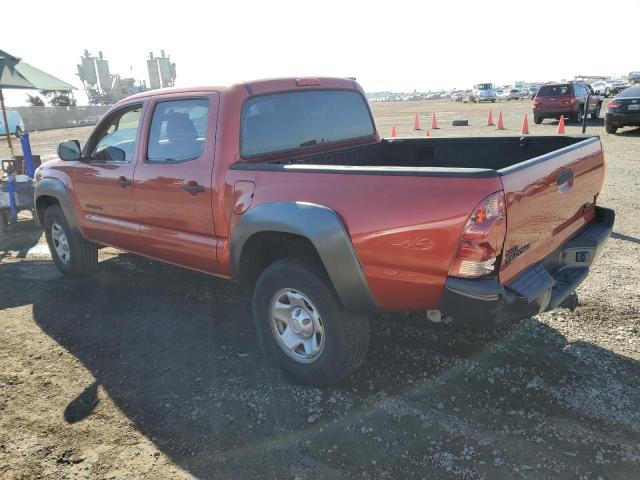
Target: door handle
[(124, 183), (564, 180), (193, 187)]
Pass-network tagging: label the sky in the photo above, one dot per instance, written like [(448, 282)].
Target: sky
[(388, 45)]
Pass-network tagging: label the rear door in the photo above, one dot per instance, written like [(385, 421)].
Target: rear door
[(173, 181), (548, 199)]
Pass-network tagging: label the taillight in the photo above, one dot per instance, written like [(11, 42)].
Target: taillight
[(612, 105), (307, 82), (482, 239), (537, 102)]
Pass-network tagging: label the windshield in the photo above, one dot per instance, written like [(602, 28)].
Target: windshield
[(554, 90), (484, 86), (296, 120)]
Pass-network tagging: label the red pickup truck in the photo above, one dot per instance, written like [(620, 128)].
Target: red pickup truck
[(286, 186)]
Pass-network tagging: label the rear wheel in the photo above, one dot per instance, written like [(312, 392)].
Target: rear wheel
[(304, 328), (596, 115), (537, 119), (610, 129), (73, 255), (579, 115)]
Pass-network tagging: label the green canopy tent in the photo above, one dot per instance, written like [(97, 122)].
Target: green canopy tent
[(16, 74)]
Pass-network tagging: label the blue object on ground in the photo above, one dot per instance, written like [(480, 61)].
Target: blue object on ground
[(29, 166), (12, 199)]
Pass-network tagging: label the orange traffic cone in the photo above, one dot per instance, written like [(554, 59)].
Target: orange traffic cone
[(525, 125), (500, 123), (393, 132), (428, 133), (561, 125), (490, 119), (434, 122), (416, 123)]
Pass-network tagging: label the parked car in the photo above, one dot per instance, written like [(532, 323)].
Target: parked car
[(483, 92), (568, 99), (510, 94), (531, 91), (16, 124), (623, 110), (456, 96), (599, 87), (613, 87), (273, 184), (634, 77)]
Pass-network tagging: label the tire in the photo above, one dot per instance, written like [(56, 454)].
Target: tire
[(537, 119), (340, 338), (82, 259), (578, 115), (610, 129), (596, 115)]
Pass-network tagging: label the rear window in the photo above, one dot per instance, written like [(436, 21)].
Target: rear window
[(297, 120), (553, 90), (631, 92)]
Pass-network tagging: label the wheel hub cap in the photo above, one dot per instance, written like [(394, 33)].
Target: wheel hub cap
[(60, 243), (296, 325)]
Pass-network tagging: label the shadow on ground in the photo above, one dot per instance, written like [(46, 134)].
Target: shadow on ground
[(176, 351)]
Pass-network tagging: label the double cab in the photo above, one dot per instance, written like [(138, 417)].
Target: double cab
[(286, 186)]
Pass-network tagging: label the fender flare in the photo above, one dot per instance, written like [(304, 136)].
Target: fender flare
[(53, 187), (325, 230)]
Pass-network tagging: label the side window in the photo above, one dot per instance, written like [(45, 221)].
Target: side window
[(178, 130), (116, 139)]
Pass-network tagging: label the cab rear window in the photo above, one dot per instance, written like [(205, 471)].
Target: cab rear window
[(554, 90), (296, 120)]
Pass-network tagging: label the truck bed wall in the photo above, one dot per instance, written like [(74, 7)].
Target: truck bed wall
[(490, 152)]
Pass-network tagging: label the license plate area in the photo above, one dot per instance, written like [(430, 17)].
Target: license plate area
[(634, 107)]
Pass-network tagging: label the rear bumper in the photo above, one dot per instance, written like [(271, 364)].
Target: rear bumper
[(541, 287), (553, 112), (620, 120)]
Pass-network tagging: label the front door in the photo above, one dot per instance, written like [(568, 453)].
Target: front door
[(172, 181), (103, 180)]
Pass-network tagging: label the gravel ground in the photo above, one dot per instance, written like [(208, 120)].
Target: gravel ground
[(148, 371)]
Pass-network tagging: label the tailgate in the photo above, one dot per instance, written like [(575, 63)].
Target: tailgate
[(549, 198)]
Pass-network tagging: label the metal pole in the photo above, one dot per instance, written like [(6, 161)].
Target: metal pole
[(585, 113), (6, 124)]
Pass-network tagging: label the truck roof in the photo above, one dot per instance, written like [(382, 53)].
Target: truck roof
[(259, 86)]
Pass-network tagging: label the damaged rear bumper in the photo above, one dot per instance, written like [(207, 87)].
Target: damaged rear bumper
[(541, 287)]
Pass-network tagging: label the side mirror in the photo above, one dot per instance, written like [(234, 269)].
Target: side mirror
[(70, 150)]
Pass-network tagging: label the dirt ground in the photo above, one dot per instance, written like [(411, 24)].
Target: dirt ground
[(148, 371)]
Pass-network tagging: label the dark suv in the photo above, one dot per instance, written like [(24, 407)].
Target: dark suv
[(568, 99)]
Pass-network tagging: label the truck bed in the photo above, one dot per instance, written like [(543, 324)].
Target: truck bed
[(550, 183), (474, 153)]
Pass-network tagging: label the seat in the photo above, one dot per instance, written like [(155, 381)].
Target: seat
[(182, 138)]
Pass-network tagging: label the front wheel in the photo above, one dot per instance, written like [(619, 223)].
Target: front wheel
[(304, 328), (73, 255)]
